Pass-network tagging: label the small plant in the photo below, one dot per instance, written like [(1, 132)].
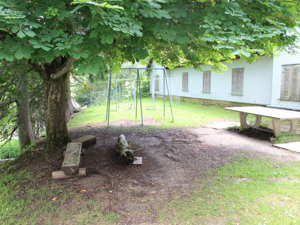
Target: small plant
[(285, 138), (111, 217), (240, 128)]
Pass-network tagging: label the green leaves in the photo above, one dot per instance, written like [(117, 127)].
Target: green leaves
[(21, 34), (29, 33), (24, 52), (37, 45), (84, 54), (6, 55), (107, 39), (103, 5), (176, 31), (24, 29)]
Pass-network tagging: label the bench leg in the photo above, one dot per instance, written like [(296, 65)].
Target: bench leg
[(257, 121), (293, 129), (276, 127), (243, 122)]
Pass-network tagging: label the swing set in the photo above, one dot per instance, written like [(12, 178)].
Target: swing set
[(129, 90)]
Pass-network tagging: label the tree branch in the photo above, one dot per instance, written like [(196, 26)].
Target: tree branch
[(75, 78), (63, 68), (7, 102), (3, 127), (5, 111), (9, 137), (38, 68)]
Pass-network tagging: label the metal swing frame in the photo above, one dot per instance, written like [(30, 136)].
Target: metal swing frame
[(138, 87)]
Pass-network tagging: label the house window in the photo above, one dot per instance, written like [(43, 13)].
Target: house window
[(206, 81), (185, 80), (290, 83), (237, 82), (156, 82)]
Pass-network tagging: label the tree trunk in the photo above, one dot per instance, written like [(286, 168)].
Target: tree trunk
[(55, 111), (72, 106), (24, 122)]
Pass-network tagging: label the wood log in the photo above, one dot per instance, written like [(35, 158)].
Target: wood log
[(57, 175), (72, 158), (124, 149), (86, 140)]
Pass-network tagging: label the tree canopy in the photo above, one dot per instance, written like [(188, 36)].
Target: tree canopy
[(173, 32), (57, 35)]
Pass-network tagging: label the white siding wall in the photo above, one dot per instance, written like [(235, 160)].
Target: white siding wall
[(283, 59), (257, 82), (152, 76)]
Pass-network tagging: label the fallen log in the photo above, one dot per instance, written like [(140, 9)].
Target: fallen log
[(124, 149), (58, 175), (72, 158), (86, 140)]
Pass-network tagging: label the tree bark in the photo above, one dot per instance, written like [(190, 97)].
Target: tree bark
[(124, 149), (23, 114), (55, 76), (55, 111)]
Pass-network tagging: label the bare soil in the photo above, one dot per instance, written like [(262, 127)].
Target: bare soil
[(172, 160)]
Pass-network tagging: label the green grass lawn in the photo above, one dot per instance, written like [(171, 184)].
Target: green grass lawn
[(10, 150), (185, 115), (248, 191)]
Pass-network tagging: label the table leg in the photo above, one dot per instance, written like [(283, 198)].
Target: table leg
[(257, 121), (276, 127), (243, 122), (293, 129)]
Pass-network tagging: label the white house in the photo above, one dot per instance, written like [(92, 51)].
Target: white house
[(272, 82)]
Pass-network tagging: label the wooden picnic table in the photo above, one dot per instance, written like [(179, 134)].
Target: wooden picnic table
[(277, 115)]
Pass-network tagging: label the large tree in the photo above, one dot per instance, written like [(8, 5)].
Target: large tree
[(56, 35), (14, 102)]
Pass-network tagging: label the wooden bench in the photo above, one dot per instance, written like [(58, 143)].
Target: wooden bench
[(72, 158), (277, 115), (70, 165)]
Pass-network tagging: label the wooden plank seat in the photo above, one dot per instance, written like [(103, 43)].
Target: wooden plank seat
[(86, 140), (277, 115), (72, 158)]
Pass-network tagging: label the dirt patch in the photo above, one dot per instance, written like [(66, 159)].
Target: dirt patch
[(172, 160), (262, 133), (128, 123)]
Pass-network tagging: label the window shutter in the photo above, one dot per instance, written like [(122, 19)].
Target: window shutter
[(290, 82), (184, 81), (294, 85), (234, 82), (156, 82), (298, 82), (285, 91), (237, 81), (240, 82), (206, 81)]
